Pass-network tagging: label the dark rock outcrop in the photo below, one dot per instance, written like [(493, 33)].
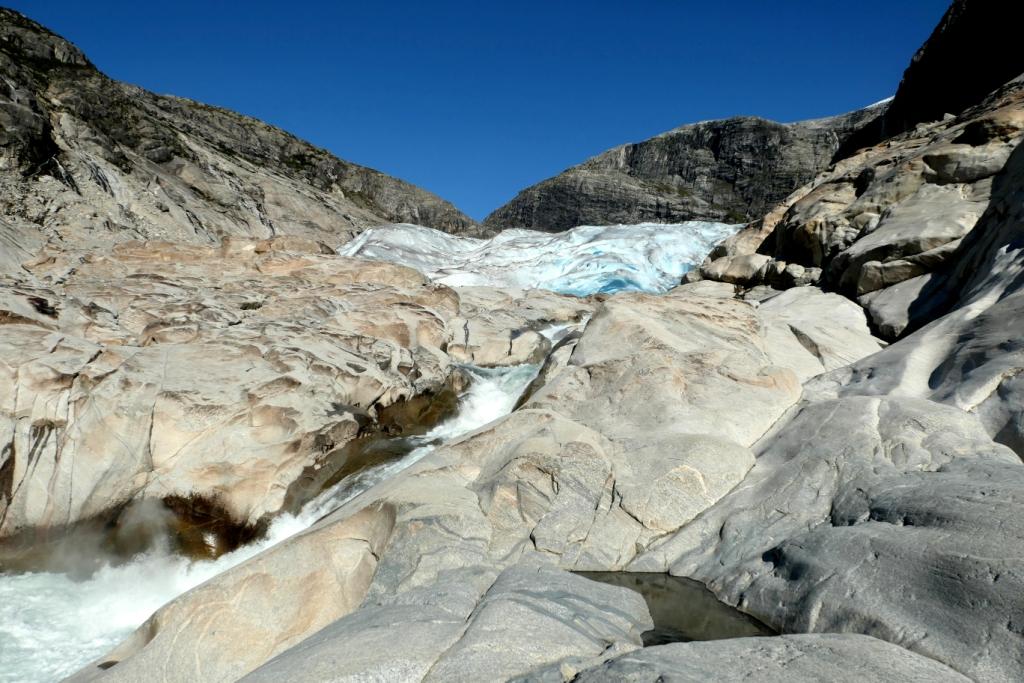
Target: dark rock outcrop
[(86, 161), (973, 51), (731, 170), (876, 225)]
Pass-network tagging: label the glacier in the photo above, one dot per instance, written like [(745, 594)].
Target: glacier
[(589, 259), (51, 624)]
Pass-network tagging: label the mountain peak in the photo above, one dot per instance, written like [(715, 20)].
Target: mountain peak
[(88, 161)]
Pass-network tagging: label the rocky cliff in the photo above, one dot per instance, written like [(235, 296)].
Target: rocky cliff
[(731, 170), (943, 77), (749, 430), (86, 160)]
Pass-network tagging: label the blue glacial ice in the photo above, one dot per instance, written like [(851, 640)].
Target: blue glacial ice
[(648, 257)]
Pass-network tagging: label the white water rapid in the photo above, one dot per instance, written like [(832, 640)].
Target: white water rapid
[(51, 625)]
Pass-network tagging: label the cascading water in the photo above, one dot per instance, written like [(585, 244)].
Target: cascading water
[(51, 625)]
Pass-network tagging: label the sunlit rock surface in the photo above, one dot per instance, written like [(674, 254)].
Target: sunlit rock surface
[(863, 499), (729, 170), (210, 377), (573, 479), (809, 658)]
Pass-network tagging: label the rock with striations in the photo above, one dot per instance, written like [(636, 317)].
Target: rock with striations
[(732, 170), (86, 161), (764, 443), (528, 616), (227, 382), (809, 658), (611, 455), (882, 224), (893, 517)]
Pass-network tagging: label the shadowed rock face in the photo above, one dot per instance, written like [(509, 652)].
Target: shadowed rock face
[(973, 50), (731, 170), (683, 610), (887, 223), (86, 160)]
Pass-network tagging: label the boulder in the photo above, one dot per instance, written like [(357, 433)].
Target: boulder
[(743, 269), (499, 327), (212, 379), (962, 163), (233, 623), (649, 367), (841, 524), (931, 217), (529, 616), (789, 658), (813, 332), (902, 307)]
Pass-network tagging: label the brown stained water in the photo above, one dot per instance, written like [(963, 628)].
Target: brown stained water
[(683, 610)]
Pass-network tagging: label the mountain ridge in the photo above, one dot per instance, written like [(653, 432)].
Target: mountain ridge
[(731, 169), (91, 160)]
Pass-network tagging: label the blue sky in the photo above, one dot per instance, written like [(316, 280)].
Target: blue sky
[(476, 100)]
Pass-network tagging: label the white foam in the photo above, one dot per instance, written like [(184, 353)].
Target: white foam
[(51, 625), (650, 257)]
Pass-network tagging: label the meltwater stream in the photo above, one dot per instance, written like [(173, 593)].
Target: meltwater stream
[(52, 625)]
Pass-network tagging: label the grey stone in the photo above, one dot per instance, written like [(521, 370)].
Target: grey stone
[(744, 269), (904, 305), (112, 162), (933, 216), (813, 332), (786, 658), (655, 359), (841, 524), (731, 170), (529, 617), (960, 163)]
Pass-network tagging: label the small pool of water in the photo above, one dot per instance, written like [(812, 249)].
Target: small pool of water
[(683, 610)]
